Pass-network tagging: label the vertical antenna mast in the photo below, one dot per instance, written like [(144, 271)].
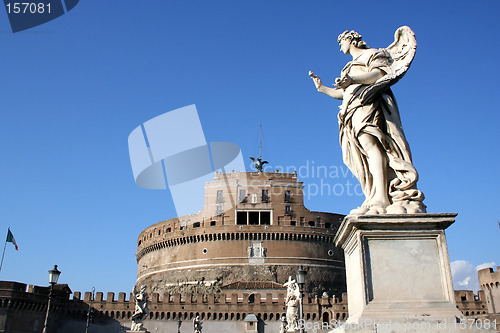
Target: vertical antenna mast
[(260, 147), (258, 162)]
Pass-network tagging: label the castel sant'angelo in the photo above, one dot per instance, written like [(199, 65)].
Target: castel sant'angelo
[(253, 230)]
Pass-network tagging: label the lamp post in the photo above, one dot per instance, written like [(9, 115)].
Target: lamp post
[(53, 277), (89, 313), (301, 280)]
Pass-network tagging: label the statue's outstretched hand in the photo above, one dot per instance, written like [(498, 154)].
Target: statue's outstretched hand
[(343, 82), (316, 80)]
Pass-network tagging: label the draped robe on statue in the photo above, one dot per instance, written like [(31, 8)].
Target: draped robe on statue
[(375, 112)]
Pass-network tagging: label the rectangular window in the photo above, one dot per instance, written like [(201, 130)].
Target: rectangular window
[(212, 223), (241, 218), (254, 198), (312, 223), (265, 196), (265, 218), (288, 210), (219, 210), (328, 225), (293, 223), (243, 196), (220, 197), (287, 196), (253, 218), (196, 225)]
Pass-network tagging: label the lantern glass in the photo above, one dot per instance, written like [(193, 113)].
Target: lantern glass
[(301, 275), (54, 275)]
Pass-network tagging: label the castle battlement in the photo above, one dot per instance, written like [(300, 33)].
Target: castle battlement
[(233, 305), (489, 280)]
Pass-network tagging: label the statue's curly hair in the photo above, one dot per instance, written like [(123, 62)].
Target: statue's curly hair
[(354, 37)]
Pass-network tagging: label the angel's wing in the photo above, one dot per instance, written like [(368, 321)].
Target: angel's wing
[(402, 51)]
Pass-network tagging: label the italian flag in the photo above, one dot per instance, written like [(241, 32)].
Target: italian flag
[(10, 238)]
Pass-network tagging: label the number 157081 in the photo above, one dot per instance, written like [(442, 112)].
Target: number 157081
[(28, 8)]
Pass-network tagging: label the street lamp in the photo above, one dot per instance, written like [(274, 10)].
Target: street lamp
[(53, 277), (301, 280), (89, 313)]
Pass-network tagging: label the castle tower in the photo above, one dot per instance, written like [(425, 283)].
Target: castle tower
[(253, 229), (489, 280)]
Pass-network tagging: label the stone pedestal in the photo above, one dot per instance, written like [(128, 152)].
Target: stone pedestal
[(398, 273)]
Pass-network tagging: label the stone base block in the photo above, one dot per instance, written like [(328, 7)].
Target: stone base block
[(398, 273)]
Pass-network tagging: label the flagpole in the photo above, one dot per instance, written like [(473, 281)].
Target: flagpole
[(3, 254)]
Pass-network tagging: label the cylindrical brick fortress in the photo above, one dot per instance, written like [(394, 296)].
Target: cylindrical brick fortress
[(253, 228)]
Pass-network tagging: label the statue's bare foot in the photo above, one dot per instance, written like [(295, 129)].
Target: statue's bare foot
[(376, 209), (407, 207), (371, 207), (359, 211)]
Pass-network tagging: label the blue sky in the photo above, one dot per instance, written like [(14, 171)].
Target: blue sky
[(74, 88)]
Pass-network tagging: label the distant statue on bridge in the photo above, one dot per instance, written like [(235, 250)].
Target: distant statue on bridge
[(292, 302), (141, 309)]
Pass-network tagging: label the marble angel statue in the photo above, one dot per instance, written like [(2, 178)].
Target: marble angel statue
[(373, 143), (292, 303), (141, 309)]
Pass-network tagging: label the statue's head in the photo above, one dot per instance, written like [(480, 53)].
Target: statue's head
[(353, 37)]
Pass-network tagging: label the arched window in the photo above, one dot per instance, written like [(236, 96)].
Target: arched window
[(251, 298), (326, 317)]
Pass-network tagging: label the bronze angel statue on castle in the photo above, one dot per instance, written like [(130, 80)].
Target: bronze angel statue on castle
[(373, 143)]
